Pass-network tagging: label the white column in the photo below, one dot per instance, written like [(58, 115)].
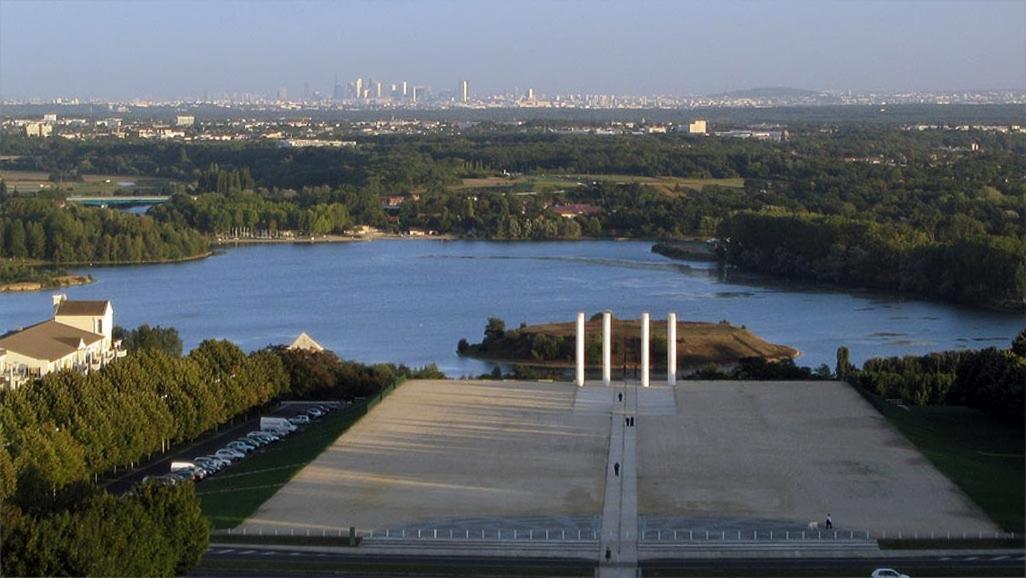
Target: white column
[(607, 347), (580, 348), (644, 350), (671, 349)]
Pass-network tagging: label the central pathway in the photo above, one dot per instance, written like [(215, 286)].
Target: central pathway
[(618, 555)]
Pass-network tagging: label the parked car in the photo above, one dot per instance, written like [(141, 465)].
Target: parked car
[(299, 419), (229, 453), (315, 413), (194, 473), (164, 480), (888, 573), (220, 461), (242, 447), (254, 441), (177, 478), (265, 436), (210, 464)]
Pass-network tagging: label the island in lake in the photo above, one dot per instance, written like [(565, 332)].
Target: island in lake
[(552, 344)]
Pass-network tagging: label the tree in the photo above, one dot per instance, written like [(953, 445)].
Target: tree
[(164, 339), (494, 330), (843, 366), (16, 246), (1019, 344)]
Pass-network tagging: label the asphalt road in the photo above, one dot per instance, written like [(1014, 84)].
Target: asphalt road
[(1000, 564)]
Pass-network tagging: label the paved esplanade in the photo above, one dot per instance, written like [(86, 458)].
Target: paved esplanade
[(618, 554)]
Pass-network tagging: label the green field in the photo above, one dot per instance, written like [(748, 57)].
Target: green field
[(30, 181), (548, 183), (232, 496), (982, 455)]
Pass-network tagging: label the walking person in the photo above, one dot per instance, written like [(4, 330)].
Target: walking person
[(616, 469), (829, 522)]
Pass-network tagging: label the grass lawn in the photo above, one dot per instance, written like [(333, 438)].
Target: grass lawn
[(232, 496), (665, 185), (982, 455), (29, 181)]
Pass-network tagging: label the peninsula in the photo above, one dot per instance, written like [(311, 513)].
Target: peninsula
[(552, 344)]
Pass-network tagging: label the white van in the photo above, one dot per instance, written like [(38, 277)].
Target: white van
[(276, 424)]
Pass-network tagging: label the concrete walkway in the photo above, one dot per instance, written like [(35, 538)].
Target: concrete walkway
[(618, 553)]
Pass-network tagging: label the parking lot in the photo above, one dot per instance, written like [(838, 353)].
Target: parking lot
[(210, 444)]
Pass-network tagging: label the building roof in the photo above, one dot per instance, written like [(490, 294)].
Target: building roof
[(89, 308), (48, 340), (306, 342)]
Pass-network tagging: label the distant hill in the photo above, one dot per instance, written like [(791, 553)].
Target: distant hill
[(769, 92)]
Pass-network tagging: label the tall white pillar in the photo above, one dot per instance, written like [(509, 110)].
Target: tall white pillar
[(607, 347), (671, 349), (580, 348), (644, 350)]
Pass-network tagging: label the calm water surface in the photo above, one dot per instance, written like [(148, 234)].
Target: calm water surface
[(411, 301)]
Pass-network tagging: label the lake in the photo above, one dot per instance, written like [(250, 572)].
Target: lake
[(410, 301)]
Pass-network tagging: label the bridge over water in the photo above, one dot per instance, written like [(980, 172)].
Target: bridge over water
[(119, 201)]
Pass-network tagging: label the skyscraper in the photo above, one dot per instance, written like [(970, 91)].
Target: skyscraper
[(464, 90), (358, 88), (405, 89)]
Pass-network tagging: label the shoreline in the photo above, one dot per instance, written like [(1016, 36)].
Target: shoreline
[(90, 264), (57, 283), (221, 242)]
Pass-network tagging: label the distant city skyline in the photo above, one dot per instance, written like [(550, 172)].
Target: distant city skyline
[(167, 50)]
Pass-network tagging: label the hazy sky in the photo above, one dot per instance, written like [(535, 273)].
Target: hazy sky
[(168, 49)]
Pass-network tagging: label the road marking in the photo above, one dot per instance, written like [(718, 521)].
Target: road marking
[(268, 553), (999, 558), (945, 558), (971, 558), (247, 552), (295, 553)]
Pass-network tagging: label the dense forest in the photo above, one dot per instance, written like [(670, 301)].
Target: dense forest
[(42, 229), (936, 213)]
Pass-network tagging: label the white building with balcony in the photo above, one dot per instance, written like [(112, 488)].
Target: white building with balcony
[(78, 337)]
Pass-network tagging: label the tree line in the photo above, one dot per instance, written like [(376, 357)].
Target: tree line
[(60, 433), (991, 379), (42, 229), (978, 269)]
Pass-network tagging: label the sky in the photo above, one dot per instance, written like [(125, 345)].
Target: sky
[(172, 49)]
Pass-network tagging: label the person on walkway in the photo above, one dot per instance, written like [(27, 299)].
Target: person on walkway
[(609, 553), (619, 397), (829, 522), (616, 469)]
